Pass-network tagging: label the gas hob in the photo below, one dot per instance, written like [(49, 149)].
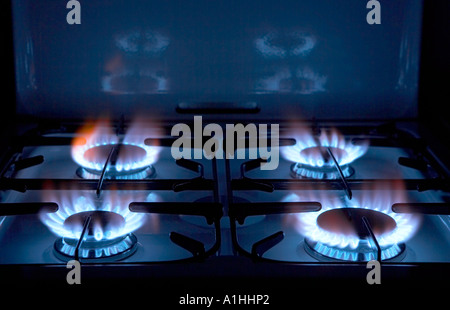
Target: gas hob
[(131, 206)]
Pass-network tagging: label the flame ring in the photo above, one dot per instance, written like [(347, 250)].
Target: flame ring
[(109, 250), (144, 162), (299, 170), (337, 245), (55, 221), (309, 148)]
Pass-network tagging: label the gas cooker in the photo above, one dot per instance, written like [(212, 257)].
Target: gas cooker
[(226, 218), (359, 193)]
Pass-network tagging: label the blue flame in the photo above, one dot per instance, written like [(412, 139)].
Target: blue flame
[(102, 135), (349, 254), (305, 140), (84, 201), (329, 241)]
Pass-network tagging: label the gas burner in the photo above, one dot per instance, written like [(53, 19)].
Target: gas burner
[(100, 228), (339, 230), (363, 253), (97, 243), (348, 223), (125, 156), (313, 154), (130, 162), (320, 164)]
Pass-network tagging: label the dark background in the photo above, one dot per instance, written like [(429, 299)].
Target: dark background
[(370, 70), (434, 70)]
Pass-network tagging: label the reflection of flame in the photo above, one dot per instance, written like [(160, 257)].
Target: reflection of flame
[(148, 41), (309, 150), (303, 81), (276, 45), (146, 81), (137, 67), (372, 199), (82, 201), (101, 134)]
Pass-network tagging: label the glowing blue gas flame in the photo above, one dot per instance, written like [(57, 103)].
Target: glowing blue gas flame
[(305, 140), (381, 201), (76, 202), (279, 45), (102, 135)]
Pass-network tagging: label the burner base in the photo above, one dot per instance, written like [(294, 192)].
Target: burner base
[(96, 251), (299, 171), (144, 173), (363, 253)]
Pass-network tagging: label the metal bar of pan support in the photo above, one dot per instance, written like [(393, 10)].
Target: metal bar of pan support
[(240, 211), (23, 208), (28, 162), (23, 185), (212, 211), (431, 208), (105, 169), (216, 180), (356, 184), (347, 189), (86, 224), (263, 245), (372, 236)]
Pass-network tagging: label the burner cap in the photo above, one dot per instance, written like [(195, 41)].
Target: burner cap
[(349, 221)]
